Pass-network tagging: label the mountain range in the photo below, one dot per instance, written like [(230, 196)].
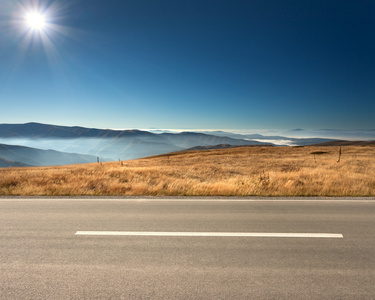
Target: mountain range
[(67, 145), (103, 143), (20, 156), (281, 140)]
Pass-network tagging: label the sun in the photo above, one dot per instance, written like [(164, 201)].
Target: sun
[(35, 21)]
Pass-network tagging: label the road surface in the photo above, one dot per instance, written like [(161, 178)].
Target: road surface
[(187, 249)]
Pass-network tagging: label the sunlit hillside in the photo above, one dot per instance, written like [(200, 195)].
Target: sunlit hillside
[(259, 171)]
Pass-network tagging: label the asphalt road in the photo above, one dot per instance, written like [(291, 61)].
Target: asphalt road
[(42, 257)]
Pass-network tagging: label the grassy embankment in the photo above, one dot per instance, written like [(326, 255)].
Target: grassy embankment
[(259, 171)]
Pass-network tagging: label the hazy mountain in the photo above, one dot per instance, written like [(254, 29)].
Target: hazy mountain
[(274, 139), (192, 139), (5, 163), (37, 130), (243, 136), (37, 157), (113, 144)]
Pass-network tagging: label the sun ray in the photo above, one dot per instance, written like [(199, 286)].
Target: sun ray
[(41, 25)]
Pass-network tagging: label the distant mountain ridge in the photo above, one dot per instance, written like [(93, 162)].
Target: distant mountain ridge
[(5, 163), (271, 139), (113, 144), (26, 156), (38, 130)]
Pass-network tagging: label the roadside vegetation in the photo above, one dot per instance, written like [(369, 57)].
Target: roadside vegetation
[(245, 171)]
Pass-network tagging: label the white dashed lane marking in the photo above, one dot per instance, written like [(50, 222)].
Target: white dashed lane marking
[(212, 234)]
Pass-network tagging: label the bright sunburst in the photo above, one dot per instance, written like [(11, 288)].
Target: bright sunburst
[(39, 27), (35, 21)]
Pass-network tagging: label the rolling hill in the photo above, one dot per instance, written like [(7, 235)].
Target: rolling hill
[(346, 143), (5, 163), (216, 147), (240, 171), (23, 156)]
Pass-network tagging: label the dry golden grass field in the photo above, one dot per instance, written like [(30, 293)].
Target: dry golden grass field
[(245, 171)]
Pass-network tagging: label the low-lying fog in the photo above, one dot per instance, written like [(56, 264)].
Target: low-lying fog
[(105, 148)]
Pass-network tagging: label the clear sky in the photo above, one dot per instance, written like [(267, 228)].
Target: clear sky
[(207, 64)]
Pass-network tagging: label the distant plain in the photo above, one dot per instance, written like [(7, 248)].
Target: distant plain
[(243, 171)]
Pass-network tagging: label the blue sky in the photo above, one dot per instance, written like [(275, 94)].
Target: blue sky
[(207, 64)]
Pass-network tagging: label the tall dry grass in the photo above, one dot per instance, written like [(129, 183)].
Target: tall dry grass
[(259, 171)]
